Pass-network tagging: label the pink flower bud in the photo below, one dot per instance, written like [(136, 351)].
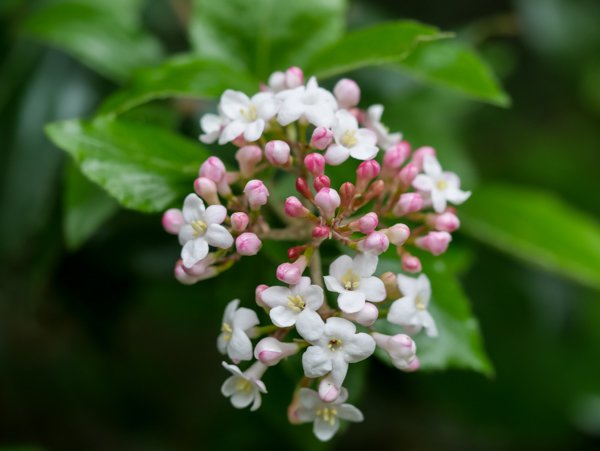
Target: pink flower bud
[(420, 154), (315, 164), (277, 81), (396, 155), (294, 77), (294, 208), (321, 231), (365, 316), (321, 138), (347, 192), (398, 234), (269, 351), (401, 348), (258, 293), (320, 182), (291, 273), (294, 252), (376, 242), (328, 392), (366, 172), (328, 200), (303, 189), (408, 203), (207, 190), (375, 190), (434, 242), (366, 224), (200, 271), (407, 174), (446, 222), (248, 244), (239, 221), (410, 263), (239, 141), (214, 169), (247, 158), (257, 194), (277, 152), (347, 93), (172, 221)]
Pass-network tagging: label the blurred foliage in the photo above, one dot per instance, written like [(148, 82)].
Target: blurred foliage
[(101, 349)]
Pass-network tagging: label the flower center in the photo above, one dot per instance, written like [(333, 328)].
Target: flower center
[(296, 303), (334, 344), (349, 138), (250, 113), (243, 385), (199, 227), (227, 331), (441, 184), (420, 303), (350, 280), (329, 414)]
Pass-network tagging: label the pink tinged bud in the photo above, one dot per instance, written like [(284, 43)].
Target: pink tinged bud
[(366, 224), (398, 234), (407, 174), (172, 220), (207, 190), (347, 93), (303, 189), (269, 351), (277, 81), (294, 77), (366, 172), (328, 392), (410, 263), (328, 200), (320, 232), (248, 157), (365, 316), (239, 141), (401, 348), (294, 208), (321, 138), (408, 203), (291, 273), (256, 193), (446, 222), (294, 252), (315, 163), (347, 193), (200, 271), (248, 244), (320, 182), (374, 190), (239, 221), (258, 293), (391, 285), (434, 242), (214, 169), (396, 155), (376, 242), (420, 154), (277, 152)]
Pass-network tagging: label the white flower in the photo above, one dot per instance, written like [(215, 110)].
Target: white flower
[(212, 125), (234, 340), (296, 305), (385, 139), (244, 388), (325, 415), (201, 229), (443, 187), (354, 280), (410, 311), (338, 345), (316, 105), (350, 141), (247, 116)]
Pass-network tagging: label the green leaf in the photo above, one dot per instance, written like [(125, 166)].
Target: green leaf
[(182, 76), (265, 35), (105, 40), (459, 343), (536, 227), (454, 65), (86, 208), (381, 44), (144, 167)]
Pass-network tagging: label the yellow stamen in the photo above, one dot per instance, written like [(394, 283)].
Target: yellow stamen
[(420, 303), (199, 227), (250, 113), (334, 344), (441, 184), (350, 280), (243, 385), (329, 414), (227, 331), (349, 138), (296, 303)]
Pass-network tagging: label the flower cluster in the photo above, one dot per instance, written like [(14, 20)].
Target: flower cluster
[(398, 204)]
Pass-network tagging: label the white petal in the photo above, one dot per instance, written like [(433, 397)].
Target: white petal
[(350, 413), (457, 196), (428, 323), (232, 102), (364, 151), (242, 399), (240, 346), (373, 288), (336, 154), (340, 266), (309, 325), (257, 401), (186, 233), (312, 296), (193, 251), (218, 236), (339, 370), (231, 131), (333, 284), (359, 347), (423, 182), (274, 296), (229, 386), (215, 214), (424, 288), (244, 319), (409, 286), (351, 301), (438, 199), (431, 166), (402, 312), (375, 112), (365, 264), (254, 130), (345, 121), (211, 123), (193, 208), (229, 313), (315, 362), (319, 115), (339, 328), (324, 430), (283, 316), (290, 111), (222, 344)]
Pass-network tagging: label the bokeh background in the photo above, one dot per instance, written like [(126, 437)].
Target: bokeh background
[(100, 348)]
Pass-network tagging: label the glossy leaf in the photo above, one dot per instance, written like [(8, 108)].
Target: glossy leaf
[(265, 35), (381, 44), (144, 167), (537, 227)]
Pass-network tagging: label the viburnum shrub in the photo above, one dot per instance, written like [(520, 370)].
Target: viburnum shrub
[(406, 202)]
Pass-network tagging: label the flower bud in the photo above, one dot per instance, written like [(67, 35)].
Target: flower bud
[(207, 190), (391, 285), (320, 182), (321, 231), (446, 222), (294, 77), (239, 141), (277, 81), (239, 221), (398, 234), (396, 155), (321, 138), (365, 224), (347, 193), (410, 263), (434, 242), (270, 351), (258, 295), (374, 190), (248, 244), (401, 348), (328, 200), (277, 152), (347, 93), (315, 163), (294, 208), (248, 157), (256, 193), (328, 392), (291, 273), (408, 203), (303, 189), (407, 174), (214, 169), (366, 172), (172, 220), (294, 252), (200, 271), (419, 156), (365, 316), (376, 242)]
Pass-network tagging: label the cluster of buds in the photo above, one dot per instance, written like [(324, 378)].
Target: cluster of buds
[(401, 203)]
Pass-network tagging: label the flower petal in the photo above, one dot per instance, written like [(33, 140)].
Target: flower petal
[(431, 166), (336, 154), (283, 316), (193, 251), (215, 214), (315, 362), (339, 328), (333, 284), (229, 386), (231, 131), (244, 319), (218, 236), (359, 347), (373, 288), (313, 296), (242, 399), (350, 413), (274, 296), (340, 266), (240, 346), (254, 130), (402, 311), (324, 430), (232, 102), (423, 182), (351, 301), (193, 208), (309, 325), (365, 264)]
